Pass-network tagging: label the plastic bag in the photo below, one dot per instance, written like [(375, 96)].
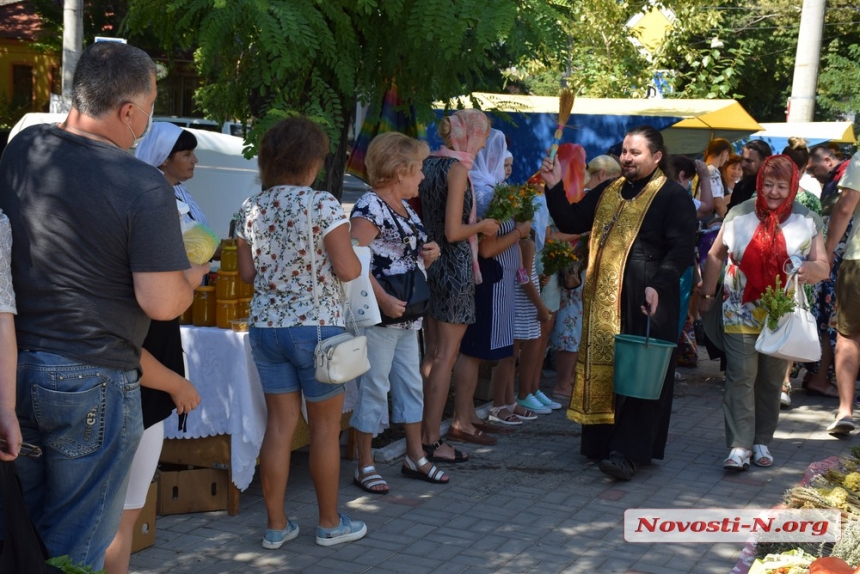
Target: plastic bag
[(200, 242)]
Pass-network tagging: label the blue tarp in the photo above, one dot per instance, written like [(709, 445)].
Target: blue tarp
[(530, 134)]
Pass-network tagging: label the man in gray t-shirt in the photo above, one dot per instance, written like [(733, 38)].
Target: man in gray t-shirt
[(97, 251)]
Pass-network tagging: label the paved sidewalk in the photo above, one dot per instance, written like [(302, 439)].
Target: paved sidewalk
[(529, 504)]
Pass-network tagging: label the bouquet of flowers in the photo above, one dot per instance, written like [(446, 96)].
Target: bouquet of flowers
[(526, 195), (503, 204), (557, 255)]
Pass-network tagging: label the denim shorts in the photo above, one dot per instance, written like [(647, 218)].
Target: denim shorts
[(285, 361), (88, 421), (394, 366)]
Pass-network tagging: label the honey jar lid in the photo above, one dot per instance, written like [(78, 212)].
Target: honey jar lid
[(225, 301), (230, 273), (248, 300), (205, 288)]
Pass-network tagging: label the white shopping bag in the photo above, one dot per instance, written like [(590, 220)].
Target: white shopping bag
[(359, 292)]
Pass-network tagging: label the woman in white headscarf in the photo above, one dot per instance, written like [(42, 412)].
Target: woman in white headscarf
[(491, 336), (171, 149)]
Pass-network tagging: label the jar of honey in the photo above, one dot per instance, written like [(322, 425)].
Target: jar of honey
[(246, 290), (187, 316), (244, 308), (229, 257), (225, 312), (203, 308), (227, 288)]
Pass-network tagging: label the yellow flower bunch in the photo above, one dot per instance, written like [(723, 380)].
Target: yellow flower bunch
[(556, 255), (526, 195)]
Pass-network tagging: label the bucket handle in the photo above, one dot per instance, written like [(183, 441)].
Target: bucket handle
[(647, 323)]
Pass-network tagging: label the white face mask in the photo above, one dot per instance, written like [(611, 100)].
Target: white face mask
[(137, 140)]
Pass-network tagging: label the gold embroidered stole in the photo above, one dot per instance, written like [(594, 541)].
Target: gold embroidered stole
[(616, 225)]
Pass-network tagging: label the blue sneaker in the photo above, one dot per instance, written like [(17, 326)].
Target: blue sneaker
[(546, 401), (346, 531), (274, 539), (534, 405)]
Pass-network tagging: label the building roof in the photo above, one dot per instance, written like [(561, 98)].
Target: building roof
[(18, 20)]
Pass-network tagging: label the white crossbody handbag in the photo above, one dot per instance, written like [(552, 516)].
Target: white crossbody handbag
[(341, 358)]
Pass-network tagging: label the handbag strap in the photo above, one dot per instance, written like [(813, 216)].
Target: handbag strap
[(396, 217), (799, 294), (313, 251)]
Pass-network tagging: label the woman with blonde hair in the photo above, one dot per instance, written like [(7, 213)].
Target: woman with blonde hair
[(449, 211), (383, 220)]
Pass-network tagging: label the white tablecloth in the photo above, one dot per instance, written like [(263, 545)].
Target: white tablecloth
[(219, 364)]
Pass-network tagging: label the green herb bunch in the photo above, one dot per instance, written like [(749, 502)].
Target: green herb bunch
[(503, 204), (65, 564), (776, 303)]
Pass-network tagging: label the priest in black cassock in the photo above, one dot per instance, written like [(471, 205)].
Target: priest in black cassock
[(643, 228)]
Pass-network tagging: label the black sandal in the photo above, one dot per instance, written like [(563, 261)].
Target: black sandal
[(430, 451)]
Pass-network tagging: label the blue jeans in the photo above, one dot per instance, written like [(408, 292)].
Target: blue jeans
[(285, 361), (88, 422)]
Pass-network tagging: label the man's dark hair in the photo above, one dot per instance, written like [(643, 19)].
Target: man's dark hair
[(761, 147), (108, 75), (827, 150), (655, 144)]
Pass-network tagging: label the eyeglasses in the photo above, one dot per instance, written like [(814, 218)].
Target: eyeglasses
[(148, 115), (792, 264), (25, 449)]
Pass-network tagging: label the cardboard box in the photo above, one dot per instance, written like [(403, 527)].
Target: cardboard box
[(182, 490), (144, 528)]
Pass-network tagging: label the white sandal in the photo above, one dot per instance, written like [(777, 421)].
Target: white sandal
[(761, 456), (738, 459), (497, 415), (367, 479)]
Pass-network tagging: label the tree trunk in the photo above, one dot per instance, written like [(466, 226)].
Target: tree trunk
[(335, 163)]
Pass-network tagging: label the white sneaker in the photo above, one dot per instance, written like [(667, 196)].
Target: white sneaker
[(546, 401), (534, 405)]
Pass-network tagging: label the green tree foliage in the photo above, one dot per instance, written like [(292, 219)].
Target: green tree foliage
[(747, 50), (716, 49), (264, 59), (838, 83)]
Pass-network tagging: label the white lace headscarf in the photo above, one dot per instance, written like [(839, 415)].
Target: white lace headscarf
[(489, 169)]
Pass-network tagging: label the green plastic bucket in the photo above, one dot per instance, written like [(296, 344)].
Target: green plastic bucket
[(640, 365)]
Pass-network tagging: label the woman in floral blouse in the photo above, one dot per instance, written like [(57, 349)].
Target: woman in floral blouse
[(383, 220), (275, 254)]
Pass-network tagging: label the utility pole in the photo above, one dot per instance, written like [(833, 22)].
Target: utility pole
[(73, 44), (801, 106)]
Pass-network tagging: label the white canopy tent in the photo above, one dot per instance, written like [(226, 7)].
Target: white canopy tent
[(222, 180)]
